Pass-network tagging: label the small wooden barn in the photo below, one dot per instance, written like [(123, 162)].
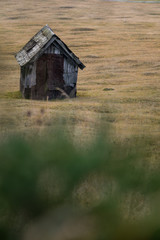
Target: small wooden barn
[(49, 68)]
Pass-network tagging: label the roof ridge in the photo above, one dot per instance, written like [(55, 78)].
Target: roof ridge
[(38, 43)]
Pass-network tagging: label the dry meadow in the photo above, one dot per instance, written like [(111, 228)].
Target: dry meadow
[(119, 42)]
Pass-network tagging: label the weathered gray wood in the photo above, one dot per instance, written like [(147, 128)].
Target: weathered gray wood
[(49, 69), (38, 45), (34, 45), (70, 53), (41, 51), (28, 75), (52, 50), (69, 59), (70, 74)]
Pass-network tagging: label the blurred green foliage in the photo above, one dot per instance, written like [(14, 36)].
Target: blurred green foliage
[(52, 189)]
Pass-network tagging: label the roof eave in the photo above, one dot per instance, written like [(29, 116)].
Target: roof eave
[(24, 58)]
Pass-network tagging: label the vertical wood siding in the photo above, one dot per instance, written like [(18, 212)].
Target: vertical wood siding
[(70, 74), (28, 75), (70, 70), (52, 50), (58, 71)]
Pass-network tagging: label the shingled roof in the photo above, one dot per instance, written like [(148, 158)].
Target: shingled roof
[(39, 43)]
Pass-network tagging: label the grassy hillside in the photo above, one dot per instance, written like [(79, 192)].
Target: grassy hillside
[(118, 43)]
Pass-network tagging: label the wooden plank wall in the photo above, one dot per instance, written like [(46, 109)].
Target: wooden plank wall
[(28, 75), (70, 74), (28, 72)]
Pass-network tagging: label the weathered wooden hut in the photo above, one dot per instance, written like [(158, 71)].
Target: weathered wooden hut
[(49, 68)]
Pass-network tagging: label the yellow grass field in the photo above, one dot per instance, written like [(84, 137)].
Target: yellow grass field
[(119, 42)]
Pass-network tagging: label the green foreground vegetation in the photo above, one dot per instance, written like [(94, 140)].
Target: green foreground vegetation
[(51, 189)]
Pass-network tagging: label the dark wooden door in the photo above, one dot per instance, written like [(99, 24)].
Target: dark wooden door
[(41, 78), (55, 71), (49, 75)]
